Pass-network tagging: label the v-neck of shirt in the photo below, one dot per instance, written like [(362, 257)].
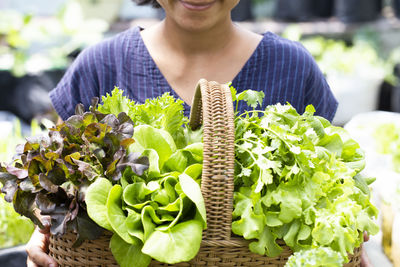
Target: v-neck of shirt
[(167, 87)]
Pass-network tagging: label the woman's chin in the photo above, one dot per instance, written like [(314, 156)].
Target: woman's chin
[(193, 24)]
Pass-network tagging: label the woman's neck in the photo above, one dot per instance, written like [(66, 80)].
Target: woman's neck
[(183, 57), (197, 42)]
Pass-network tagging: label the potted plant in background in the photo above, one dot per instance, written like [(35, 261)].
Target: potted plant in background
[(303, 10), (323, 8), (243, 11), (104, 9), (396, 7), (263, 9), (35, 52), (353, 72), (353, 11), (299, 10)]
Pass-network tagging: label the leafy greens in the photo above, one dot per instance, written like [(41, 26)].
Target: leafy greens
[(135, 170), (52, 172), (159, 214), (297, 179), (316, 257)]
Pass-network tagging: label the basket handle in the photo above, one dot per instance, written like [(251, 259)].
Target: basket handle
[(212, 106)]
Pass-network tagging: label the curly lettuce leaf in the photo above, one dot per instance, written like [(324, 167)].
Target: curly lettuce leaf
[(164, 112), (297, 179), (316, 257)]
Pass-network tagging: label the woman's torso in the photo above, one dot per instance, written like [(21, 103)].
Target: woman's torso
[(282, 69)]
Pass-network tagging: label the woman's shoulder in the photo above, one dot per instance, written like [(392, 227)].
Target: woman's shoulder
[(274, 39), (117, 42), (109, 53), (275, 48), (274, 42)]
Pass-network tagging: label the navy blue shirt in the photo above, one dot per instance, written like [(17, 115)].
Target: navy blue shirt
[(282, 69)]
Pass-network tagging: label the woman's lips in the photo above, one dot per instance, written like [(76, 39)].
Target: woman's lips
[(196, 6)]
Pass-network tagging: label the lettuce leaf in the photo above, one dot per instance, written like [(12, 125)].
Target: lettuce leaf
[(51, 172), (159, 213), (316, 257), (164, 112), (297, 178)]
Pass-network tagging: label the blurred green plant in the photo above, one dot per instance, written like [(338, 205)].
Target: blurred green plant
[(32, 44), (263, 9), (335, 56), (361, 58), (388, 139), (393, 61), (12, 43), (14, 228), (14, 136)]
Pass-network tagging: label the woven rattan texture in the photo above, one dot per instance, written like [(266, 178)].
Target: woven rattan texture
[(212, 108), (231, 253), (355, 259), (90, 253), (218, 159)]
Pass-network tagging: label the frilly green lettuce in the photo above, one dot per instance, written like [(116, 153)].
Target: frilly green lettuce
[(297, 179), (316, 257)]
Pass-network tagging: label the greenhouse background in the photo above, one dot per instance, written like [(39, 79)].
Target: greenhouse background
[(355, 43)]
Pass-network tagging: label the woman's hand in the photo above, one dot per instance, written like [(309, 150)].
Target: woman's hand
[(38, 247), (365, 262)]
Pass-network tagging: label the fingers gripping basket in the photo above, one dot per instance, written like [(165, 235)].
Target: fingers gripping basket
[(212, 107)]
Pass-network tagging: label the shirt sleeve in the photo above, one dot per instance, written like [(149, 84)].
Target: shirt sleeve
[(318, 93), (78, 85)]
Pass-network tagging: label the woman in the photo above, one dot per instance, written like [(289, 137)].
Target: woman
[(197, 39)]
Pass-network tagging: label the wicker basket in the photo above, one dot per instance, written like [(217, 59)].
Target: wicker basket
[(212, 107)]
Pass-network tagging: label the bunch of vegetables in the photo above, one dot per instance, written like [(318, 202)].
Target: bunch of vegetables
[(131, 169), (135, 170), (161, 213), (52, 172), (297, 179)]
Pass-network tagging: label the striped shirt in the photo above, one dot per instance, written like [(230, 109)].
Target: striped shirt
[(282, 69)]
